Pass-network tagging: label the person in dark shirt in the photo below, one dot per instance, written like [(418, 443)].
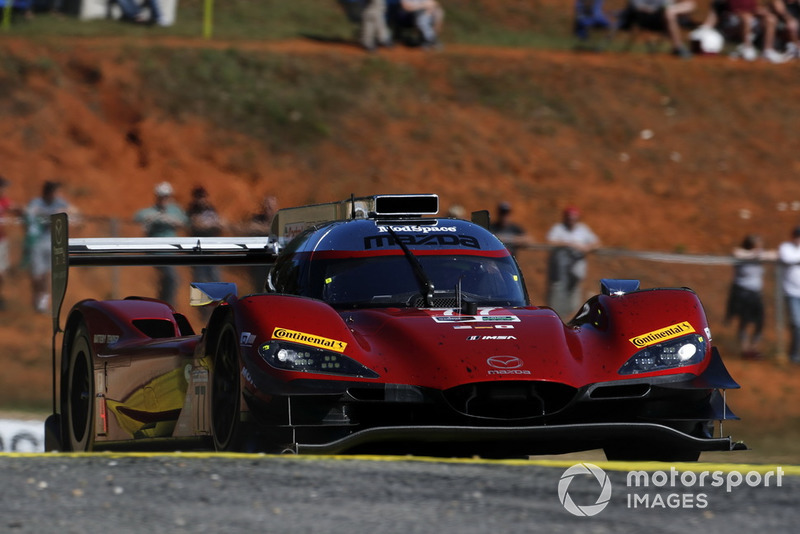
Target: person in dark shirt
[(512, 235), (204, 221)]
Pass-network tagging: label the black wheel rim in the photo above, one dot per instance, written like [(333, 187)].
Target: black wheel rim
[(80, 398)]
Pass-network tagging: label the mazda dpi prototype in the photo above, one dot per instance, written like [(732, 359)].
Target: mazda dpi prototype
[(381, 329)]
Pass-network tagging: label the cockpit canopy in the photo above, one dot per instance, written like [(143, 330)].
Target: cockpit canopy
[(375, 263)]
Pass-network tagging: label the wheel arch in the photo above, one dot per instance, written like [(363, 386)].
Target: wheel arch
[(75, 319), (218, 319)]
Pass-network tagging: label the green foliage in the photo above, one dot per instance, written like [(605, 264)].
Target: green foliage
[(510, 23), (285, 100), (511, 88)]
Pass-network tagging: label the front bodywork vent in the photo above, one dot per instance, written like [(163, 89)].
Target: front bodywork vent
[(156, 328), (510, 400)]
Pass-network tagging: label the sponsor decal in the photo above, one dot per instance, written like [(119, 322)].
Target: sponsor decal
[(429, 239), (490, 338), (247, 376), (505, 362), (247, 339), (657, 336), (417, 229), (308, 339), (476, 319), (506, 365), (294, 229), (103, 339)]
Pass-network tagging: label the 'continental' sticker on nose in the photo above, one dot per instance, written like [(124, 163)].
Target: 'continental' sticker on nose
[(308, 339), (657, 336)]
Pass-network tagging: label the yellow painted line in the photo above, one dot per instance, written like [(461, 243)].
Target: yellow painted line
[(788, 470)]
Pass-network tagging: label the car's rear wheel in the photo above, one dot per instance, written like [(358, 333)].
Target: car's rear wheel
[(78, 394), (226, 391)]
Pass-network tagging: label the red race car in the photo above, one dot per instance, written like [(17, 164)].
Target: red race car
[(382, 329)]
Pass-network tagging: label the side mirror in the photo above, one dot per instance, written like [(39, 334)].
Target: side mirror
[(618, 287), (203, 294)]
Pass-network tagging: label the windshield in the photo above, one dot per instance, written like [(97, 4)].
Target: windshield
[(391, 281)]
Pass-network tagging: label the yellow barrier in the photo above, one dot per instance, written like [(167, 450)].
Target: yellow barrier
[(790, 470)]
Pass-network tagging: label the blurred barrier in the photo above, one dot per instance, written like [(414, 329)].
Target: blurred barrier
[(21, 436)]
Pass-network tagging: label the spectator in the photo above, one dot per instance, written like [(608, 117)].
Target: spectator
[(204, 221), (7, 209), (571, 240), (428, 18), (132, 10), (456, 211), (748, 12), (37, 238), (260, 224), (374, 30), (660, 13), (787, 12), (746, 300), (508, 232), (789, 257), (589, 14), (163, 219)]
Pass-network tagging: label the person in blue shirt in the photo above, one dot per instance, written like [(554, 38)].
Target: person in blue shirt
[(164, 219), (37, 240)]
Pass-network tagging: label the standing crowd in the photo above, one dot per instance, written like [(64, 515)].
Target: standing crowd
[(36, 253), (569, 241), (746, 299), (164, 218)]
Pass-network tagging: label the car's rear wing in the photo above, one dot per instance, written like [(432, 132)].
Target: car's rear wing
[(134, 251)]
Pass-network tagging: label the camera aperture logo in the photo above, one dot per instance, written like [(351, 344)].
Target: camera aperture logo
[(587, 510), (660, 489)]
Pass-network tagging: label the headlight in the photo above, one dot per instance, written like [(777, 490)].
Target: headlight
[(304, 359), (679, 352)]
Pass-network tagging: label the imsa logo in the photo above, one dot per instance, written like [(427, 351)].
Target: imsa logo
[(490, 338)]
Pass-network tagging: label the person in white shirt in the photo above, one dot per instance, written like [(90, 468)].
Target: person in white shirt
[(571, 241), (746, 296), (789, 257)]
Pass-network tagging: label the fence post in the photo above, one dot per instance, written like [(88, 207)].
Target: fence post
[(113, 227), (208, 19), (780, 312)]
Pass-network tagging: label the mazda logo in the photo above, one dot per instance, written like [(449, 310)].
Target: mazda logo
[(505, 362)]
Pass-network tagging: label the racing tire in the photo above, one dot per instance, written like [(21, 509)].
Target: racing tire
[(226, 391), (78, 394)]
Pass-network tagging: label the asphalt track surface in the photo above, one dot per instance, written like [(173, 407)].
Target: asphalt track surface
[(151, 493)]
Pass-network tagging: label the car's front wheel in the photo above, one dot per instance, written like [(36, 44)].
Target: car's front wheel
[(226, 391)]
